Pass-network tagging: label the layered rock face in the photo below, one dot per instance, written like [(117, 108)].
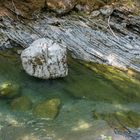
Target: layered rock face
[(45, 59)]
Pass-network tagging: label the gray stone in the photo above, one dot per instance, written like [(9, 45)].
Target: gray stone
[(83, 8), (106, 10), (45, 59), (4, 42)]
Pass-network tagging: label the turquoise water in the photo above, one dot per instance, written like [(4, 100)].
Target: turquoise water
[(93, 103)]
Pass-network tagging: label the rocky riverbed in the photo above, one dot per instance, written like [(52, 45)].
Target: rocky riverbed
[(90, 103), (96, 100)]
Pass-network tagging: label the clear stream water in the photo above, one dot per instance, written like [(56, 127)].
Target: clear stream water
[(93, 104)]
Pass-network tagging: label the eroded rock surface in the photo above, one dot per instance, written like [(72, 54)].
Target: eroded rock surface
[(4, 42), (112, 40), (45, 59)]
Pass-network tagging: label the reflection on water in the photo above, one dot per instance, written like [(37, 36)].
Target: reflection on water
[(95, 100)]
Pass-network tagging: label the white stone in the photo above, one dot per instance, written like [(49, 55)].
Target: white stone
[(106, 10), (45, 59), (95, 13)]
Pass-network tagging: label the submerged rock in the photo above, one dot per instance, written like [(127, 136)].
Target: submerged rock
[(22, 103), (45, 59), (9, 90), (47, 109), (120, 119)]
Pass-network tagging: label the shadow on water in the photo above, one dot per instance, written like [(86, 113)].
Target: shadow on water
[(95, 100)]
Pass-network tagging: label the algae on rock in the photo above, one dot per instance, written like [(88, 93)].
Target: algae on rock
[(22, 103), (101, 83), (125, 81), (47, 109), (9, 90), (120, 119)]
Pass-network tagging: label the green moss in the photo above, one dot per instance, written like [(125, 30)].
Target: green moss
[(122, 80), (22, 103), (119, 119), (9, 90), (47, 109), (101, 83)]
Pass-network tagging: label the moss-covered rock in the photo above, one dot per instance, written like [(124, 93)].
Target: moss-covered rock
[(123, 81), (101, 82), (9, 90), (120, 119), (47, 109), (22, 103)]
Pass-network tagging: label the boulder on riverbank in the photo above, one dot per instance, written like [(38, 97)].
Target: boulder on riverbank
[(45, 59)]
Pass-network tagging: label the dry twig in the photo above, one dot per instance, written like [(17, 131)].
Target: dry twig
[(15, 9), (111, 28)]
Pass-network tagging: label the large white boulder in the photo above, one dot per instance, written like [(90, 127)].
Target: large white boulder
[(45, 59)]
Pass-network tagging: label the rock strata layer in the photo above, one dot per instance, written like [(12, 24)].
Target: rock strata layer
[(112, 40)]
